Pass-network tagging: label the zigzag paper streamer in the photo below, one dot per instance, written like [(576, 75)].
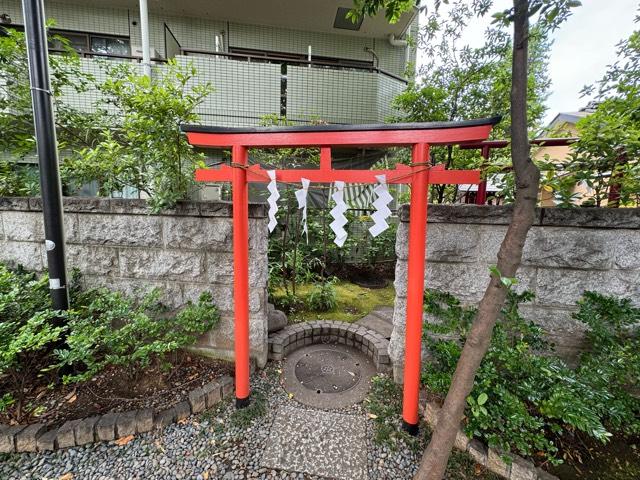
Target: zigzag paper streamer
[(301, 196), (337, 212), (381, 203), (274, 195)]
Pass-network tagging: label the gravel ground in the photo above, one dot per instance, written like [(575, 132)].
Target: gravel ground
[(218, 444)]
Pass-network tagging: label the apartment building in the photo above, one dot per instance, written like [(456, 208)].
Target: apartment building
[(297, 58)]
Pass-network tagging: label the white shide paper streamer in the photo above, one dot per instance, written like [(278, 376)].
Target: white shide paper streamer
[(337, 212), (301, 196), (381, 203), (274, 195)]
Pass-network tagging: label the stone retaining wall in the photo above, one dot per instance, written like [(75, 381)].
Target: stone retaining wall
[(567, 252), (119, 244)]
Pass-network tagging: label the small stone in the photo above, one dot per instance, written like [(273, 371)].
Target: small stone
[(227, 386), (26, 439), (496, 464), (164, 418), (85, 430), (183, 410), (144, 420), (47, 441), (478, 451), (126, 424), (7, 437), (66, 437), (212, 393), (106, 427), (276, 320), (522, 469), (197, 400)]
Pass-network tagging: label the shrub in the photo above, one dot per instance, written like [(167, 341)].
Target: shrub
[(323, 297), (526, 402), (109, 329), (28, 330), (139, 144), (102, 329)]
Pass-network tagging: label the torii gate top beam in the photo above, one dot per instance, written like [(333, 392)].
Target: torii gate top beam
[(389, 134)]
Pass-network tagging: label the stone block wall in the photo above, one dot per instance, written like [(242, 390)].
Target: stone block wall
[(119, 244), (567, 252)]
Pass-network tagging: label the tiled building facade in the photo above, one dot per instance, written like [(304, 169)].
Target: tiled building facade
[(365, 74)]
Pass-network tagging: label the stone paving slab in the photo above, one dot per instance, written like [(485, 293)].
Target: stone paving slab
[(320, 443), (380, 320)]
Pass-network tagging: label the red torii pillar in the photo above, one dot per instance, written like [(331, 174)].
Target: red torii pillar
[(419, 175)]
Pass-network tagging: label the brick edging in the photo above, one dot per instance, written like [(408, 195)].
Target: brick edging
[(490, 458), (40, 437), (298, 335)]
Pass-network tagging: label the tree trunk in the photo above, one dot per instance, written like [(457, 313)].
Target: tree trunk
[(615, 187), (434, 461)]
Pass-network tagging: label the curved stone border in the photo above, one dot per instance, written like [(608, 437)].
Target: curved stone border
[(490, 458), (295, 336), (39, 437)]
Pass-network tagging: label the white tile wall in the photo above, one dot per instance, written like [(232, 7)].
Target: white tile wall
[(245, 92)]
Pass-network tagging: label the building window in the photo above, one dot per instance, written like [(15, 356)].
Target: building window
[(110, 45), (87, 43)]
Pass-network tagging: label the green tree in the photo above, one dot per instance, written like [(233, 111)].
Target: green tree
[(461, 82), (16, 117), (139, 143), (607, 156), (549, 15)]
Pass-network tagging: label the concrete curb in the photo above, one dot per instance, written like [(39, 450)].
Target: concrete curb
[(490, 458), (112, 425), (296, 336)]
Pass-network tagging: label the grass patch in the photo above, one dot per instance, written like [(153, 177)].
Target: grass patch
[(384, 406), (243, 417), (353, 302)]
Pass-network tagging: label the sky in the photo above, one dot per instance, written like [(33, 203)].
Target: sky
[(583, 47)]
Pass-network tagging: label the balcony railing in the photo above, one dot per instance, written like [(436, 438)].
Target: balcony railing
[(344, 64), (89, 54), (248, 88)]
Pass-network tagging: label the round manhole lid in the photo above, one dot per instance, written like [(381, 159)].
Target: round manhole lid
[(328, 370)]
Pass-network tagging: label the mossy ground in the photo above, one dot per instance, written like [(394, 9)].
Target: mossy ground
[(353, 302)]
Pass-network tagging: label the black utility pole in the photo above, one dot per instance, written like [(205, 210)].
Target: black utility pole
[(47, 146)]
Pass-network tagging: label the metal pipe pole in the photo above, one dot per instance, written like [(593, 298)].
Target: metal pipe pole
[(144, 33), (47, 147)]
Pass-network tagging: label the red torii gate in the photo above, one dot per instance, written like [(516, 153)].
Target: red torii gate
[(419, 175)]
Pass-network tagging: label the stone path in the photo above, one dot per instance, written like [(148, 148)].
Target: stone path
[(315, 442), (379, 320), (287, 440)]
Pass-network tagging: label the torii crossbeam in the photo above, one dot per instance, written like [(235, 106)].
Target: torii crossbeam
[(419, 175)]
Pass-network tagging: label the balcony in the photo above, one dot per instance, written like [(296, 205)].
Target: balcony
[(247, 88)]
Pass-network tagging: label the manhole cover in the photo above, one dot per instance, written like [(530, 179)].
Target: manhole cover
[(328, 375), (328, 371)]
